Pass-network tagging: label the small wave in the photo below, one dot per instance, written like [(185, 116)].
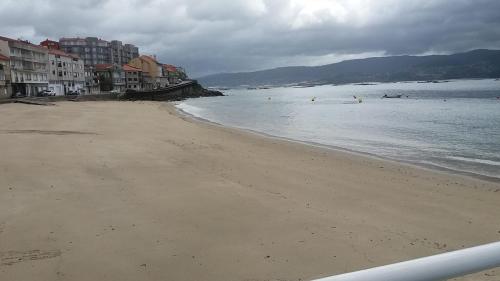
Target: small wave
[(455, 169), (475, 160), (194, 110)]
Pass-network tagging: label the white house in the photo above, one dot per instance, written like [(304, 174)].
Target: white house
[(66, 73)]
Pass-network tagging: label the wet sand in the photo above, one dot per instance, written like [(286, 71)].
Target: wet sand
[(134, 191)]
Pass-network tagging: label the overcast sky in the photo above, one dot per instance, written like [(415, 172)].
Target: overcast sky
[(210, 36)]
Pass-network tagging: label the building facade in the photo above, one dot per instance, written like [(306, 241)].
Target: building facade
[(28, 66), (97, 52), (92, 86), (111, 77), (153, 72), (175, 74), (91, 50), (133, 78), (122, 54), (5, 87), (66, 73), (94, 51)]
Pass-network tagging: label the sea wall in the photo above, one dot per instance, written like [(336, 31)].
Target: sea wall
[(184, 90)]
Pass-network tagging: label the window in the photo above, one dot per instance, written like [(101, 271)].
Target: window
[(135, 86), (53, 72), (60, 74), (52, 61)]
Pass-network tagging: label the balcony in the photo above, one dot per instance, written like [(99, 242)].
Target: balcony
[(29, 58), (16, 67), (28, 66)]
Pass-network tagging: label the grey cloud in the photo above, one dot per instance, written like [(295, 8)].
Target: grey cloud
[(236, 35)]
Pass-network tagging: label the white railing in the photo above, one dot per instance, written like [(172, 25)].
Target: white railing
[(434, 268)]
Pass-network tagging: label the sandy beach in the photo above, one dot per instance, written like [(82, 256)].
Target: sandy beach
[(135, 191)]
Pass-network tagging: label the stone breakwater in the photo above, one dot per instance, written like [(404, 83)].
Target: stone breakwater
[(190, 89)]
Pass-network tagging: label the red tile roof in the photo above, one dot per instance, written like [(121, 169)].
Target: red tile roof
[(149, 58), (170, 68), (127, 67), (105, 66), (2, 57)]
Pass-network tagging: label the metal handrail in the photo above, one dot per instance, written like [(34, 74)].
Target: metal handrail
[(434, 268)]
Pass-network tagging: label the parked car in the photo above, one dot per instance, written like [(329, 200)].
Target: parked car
[(72, 93), (19, 95), (46, 93)]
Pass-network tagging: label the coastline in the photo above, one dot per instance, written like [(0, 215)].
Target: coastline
[(136, 191), (427, 166)]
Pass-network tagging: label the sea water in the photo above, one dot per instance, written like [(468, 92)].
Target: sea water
[(453, 125)]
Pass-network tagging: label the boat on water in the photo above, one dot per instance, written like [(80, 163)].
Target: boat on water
[(391, 96)]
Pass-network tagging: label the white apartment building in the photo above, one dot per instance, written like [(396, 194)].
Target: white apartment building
[(66, 73), (28, 66)]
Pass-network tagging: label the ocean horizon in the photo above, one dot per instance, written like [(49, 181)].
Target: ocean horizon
[(452, 126)]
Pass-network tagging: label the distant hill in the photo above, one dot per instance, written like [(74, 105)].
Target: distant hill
[(473, 64)]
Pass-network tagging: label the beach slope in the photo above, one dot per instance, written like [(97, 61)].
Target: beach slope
[(134, 191)]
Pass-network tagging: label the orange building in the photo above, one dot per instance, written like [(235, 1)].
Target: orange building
[(154, 75)]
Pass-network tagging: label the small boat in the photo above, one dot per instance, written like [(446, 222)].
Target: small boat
[(391, 96)]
